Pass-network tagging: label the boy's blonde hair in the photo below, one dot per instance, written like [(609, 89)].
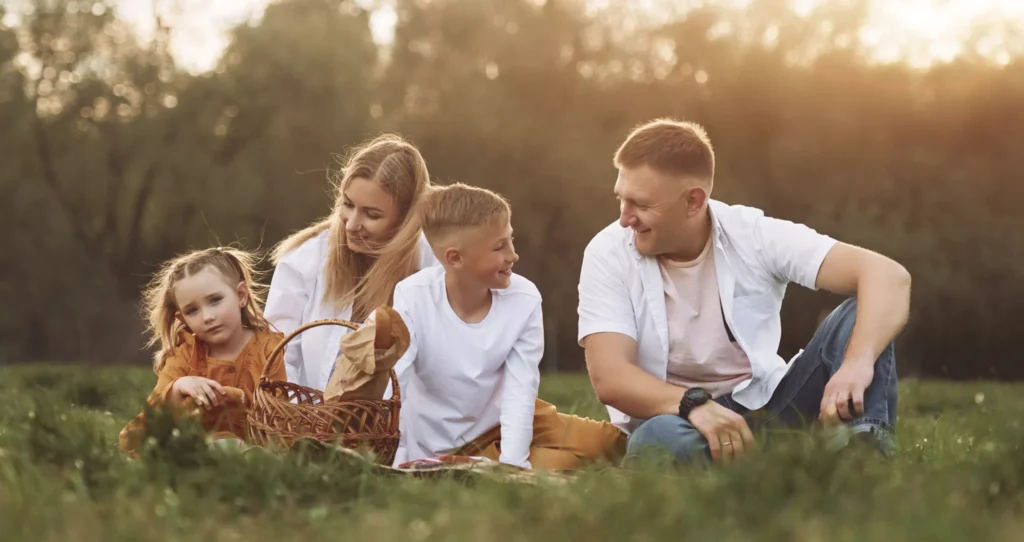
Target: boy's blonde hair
[(161, 309), (456, 207), (367, 281), (681, 149)]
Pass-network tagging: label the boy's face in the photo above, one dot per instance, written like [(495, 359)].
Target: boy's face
[(484, 255)]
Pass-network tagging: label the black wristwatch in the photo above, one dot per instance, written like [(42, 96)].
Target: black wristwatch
[(693, 398)]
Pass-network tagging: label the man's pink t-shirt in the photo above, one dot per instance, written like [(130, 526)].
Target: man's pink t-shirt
[(700, 352)]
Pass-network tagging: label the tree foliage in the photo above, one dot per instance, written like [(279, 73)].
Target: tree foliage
[(116, 159)]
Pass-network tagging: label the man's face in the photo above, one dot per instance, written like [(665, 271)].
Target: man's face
[(659, 209)]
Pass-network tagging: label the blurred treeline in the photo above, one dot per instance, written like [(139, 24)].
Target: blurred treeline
[(114, 159)]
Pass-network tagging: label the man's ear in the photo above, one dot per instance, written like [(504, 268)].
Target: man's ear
[(696, 199), (243, 294)]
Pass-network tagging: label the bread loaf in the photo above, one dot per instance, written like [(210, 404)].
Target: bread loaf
[(382, 339)]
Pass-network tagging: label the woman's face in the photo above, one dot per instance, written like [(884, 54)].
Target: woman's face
[(369, 214)]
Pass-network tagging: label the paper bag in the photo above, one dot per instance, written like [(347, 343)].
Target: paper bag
[(362, 368)]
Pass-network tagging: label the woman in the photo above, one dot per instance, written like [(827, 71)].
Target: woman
[(347, 264)]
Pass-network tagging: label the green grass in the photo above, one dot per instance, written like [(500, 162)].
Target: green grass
[(959, 475)]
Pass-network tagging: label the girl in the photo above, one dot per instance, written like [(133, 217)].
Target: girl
[(204, 311), (346, 265)]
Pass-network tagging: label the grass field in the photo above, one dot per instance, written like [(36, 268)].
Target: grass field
[(959, 476)]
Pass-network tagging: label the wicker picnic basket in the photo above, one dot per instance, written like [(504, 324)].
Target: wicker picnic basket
[(284, 412)]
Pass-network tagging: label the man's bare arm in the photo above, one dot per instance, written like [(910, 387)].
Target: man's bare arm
[(621, 384), (882, 287)]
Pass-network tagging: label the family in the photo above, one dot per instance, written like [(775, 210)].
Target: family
[(679, 304)]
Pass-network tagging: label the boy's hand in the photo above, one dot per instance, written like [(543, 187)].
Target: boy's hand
[(206, 393)]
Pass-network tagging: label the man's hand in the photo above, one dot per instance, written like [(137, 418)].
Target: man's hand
[(846, 386), (726, 431)]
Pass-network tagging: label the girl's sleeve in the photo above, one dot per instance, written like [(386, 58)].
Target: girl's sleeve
[(278, 372), (176, 366)]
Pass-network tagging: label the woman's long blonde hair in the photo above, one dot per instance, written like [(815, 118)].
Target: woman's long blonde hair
[(161, 309), (367, 281)]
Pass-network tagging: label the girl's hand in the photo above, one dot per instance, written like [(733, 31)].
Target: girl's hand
[(206, 393)]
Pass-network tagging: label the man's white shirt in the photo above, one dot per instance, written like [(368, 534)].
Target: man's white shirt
[(756, 257)]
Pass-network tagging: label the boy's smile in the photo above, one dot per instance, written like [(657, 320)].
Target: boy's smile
[(488, 255)]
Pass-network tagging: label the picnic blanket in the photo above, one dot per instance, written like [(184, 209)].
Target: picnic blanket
[(459, 467)]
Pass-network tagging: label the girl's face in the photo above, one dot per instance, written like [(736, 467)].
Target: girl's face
[(211, 306), (369, 214)]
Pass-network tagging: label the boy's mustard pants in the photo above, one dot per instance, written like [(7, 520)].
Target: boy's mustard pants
[(560, 441)]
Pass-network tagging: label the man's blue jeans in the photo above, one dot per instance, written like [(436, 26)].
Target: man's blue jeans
[(796, 401)]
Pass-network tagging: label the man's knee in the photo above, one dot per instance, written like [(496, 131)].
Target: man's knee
[(668, 435), (837, 328), (843, 316)]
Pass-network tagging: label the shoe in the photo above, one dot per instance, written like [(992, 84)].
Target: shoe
[(860, 436)]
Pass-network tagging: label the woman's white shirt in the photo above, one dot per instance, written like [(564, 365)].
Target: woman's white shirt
[(296, 297)]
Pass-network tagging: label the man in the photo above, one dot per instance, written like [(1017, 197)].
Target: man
[(679, 312)]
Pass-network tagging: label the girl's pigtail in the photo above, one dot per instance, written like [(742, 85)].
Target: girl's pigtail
[(244, 266), (161, 313)]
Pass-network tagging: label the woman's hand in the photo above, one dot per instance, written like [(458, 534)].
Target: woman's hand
[(206, 393)]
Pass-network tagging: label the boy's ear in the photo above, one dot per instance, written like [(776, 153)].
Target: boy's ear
[(243, 294), (452, 257)]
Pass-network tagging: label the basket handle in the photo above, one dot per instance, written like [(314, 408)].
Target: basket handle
[(277, 352)]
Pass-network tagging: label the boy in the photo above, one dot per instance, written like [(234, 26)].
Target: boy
[(471, 374)]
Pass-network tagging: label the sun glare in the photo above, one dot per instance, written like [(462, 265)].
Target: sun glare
[(918, 32), (921, 32)]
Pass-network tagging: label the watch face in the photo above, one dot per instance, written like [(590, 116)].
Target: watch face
[(698, 394)]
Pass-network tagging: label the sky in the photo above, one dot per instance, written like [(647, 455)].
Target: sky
[(916, 31), (201, 27)]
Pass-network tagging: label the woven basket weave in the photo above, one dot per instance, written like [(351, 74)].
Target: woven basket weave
[(284, 412)]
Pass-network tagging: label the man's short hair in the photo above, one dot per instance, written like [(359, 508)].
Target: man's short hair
[(672, 147), (455, 207)]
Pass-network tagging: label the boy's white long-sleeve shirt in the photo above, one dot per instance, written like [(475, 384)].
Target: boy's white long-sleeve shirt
[(459, 380)]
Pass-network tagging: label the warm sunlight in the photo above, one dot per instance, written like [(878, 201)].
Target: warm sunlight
[(201, 27), (923, 31), (919, 32)]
